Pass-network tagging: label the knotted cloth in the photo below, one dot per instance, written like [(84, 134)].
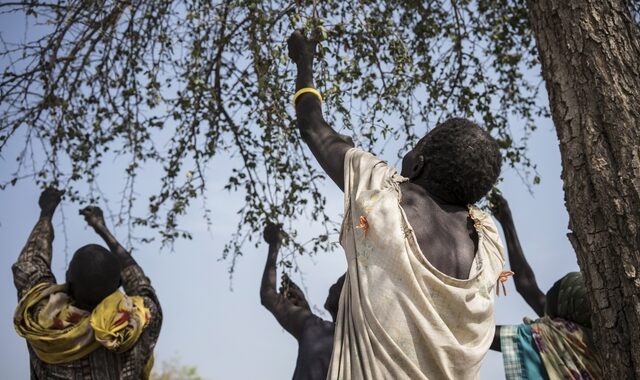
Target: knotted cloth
[(59, 332)]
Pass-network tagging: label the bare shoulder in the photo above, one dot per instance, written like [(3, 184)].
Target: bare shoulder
[(444, 232)]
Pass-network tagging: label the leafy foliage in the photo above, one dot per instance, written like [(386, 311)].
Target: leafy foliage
[(179, 83)]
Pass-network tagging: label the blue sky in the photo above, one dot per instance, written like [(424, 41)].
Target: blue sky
[(228, 334)]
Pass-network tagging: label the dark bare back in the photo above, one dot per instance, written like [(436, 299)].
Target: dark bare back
[(444, 232)]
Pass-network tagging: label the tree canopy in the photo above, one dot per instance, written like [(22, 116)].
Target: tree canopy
[(178, 83)]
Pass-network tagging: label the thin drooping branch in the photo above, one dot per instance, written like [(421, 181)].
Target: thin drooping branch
[(169, 86)]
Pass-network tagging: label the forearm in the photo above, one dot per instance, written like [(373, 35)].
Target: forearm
[(134, 280), (495, 343), (123, 256), (34, 262), (308, 106), (304, 77), (327, 146), (524, 278), (268, 291), (517, 260), (39, 244)]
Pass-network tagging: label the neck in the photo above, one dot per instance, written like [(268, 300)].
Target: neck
[(419, 184)]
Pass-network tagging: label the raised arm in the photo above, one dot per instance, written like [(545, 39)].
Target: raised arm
[(524, 278), (327, 145), (34, 262), (291, 314), (134, 280), (135, 283), (95, 219)]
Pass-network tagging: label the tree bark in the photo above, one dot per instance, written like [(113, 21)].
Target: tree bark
[(590, 55)]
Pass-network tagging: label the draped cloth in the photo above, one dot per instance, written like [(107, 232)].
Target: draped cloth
[(400, 317), (566, 349), (557, 346), (59, 332), (522, 360)]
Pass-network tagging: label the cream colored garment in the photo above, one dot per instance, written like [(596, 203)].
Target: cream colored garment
[(399, 317)]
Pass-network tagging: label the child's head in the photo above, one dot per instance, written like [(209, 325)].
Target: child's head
[(457, 161)]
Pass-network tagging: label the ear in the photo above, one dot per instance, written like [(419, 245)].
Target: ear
[(416, 167)]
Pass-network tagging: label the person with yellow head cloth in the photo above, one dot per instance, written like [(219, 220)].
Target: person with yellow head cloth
[(86, 328)]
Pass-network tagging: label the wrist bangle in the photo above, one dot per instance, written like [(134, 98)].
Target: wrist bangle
[(304, 91)]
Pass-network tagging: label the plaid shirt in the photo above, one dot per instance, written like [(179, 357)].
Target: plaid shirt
[(34, 267), (511, 353)]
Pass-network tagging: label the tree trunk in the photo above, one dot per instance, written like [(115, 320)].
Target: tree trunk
[(590, 55)]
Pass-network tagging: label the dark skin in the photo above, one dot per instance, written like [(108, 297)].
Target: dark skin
[(524, 278), (444, 232), (95, 219), (49, 200), (289, 306)]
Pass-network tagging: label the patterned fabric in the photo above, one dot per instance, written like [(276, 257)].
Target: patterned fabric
[(564, 348), (519, 352), (33, 267), (59, 333), (118, 321), (399, 316)]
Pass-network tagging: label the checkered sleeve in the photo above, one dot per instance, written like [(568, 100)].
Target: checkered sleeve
[(34, 263), (135, 283), (511, 355)]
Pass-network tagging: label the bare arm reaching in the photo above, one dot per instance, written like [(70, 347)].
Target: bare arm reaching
[(134, 281), (327, 145), (291, 314), (95, 218), (524, 278)]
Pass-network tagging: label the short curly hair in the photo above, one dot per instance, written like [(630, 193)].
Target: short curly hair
[(93, 274), (461, 161)]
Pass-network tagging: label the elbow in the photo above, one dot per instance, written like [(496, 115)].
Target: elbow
[(266, 298), (521, 287), (305, 133), (528, 291), (306, 130), (309, 120)]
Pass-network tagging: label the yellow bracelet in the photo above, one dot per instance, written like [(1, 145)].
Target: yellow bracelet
[(304, 91)]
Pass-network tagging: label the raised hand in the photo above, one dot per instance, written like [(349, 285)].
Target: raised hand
[(273, 234), (292, 292), (301, 48), (93, 216), (49, 199)]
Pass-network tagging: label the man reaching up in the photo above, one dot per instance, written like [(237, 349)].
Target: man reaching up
[(417, 302), (291, 310), (86, 328)]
